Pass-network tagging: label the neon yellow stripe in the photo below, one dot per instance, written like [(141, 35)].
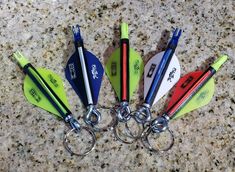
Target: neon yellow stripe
[(124, 31), (20, 59), (218, 63)]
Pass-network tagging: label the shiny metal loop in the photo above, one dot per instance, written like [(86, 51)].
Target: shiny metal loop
[(130, 132), (123, 112), (88, 150), (74, 124), (160, 124), (142, 115), (92, 116), (109, 126), (118, 137), (147, 144)]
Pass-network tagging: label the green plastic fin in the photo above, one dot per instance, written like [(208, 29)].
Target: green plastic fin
[(20, 59), (35, 96), (124, 31), (112, 70), (202, 98), (136, 70), (218, 63)]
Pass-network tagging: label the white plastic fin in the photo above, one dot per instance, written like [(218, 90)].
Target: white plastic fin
[(170, 78)]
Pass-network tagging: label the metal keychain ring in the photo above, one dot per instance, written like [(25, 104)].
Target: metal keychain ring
[(66, 144), (108, 127), (116, 134), (129, 132), (146, 143)]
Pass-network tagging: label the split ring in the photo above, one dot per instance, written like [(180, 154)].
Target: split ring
[(88, 150)]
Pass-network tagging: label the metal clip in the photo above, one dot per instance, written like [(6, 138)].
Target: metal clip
[(123, 112), (160, 124), (143, 114), (92, 116), (74, 124)]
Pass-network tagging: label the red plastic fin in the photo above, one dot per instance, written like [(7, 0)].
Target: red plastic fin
[(182, 86)]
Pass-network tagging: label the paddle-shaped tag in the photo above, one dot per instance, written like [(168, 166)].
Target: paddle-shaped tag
[(201, 98), (36, 97), (124, 68), (84, 71), (44, 88), (162, 72), (169, 79), (194, 90)]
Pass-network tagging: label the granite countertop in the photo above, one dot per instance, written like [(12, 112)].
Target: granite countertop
[(31, 138)]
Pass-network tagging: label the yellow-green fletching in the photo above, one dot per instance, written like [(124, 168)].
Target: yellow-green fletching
[(124, 31), (218, 63), (136, 68), (36, 97), (20, 59), (201, 98)]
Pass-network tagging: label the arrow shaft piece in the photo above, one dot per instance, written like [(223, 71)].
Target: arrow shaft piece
[(162, 68), (186, 97), (125, 85), (78, 42)]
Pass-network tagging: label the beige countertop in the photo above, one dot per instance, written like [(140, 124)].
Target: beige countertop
[(31, 138)]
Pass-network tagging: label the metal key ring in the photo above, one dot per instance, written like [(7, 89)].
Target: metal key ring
[(108, 127), (66, 144), (129, 131), (146, 143), (117, 136), (98, 116)]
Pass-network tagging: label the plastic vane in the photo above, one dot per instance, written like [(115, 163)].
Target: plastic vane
[(192, 91), (160, 74), (124, 67), (44, 89), (84, 72)]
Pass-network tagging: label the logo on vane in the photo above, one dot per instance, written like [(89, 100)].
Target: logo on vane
[(202, 96), (53, 80), (94, 72), (171, 74), (72, 71), (151, 70), (188, 80), (35, 95), (114, 69), (136, 66)]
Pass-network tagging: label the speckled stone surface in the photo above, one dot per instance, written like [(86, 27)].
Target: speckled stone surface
[(31, 138)]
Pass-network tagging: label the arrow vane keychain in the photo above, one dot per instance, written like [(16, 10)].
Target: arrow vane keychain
[(124, 70), (161, 73), (192, 91), (44, 88), (84, 72)]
